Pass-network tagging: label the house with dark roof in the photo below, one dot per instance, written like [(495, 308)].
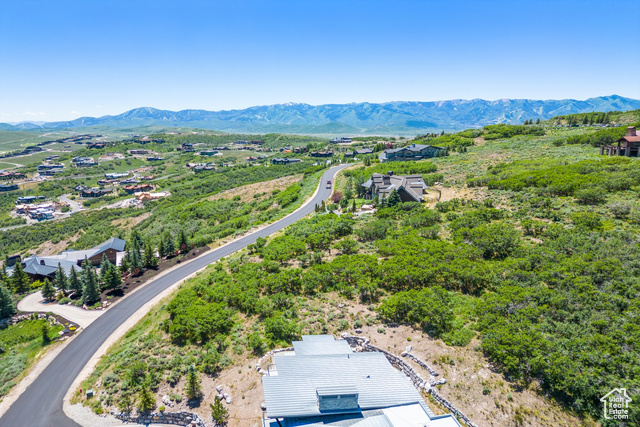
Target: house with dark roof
[(283, 161), (410, 187), (40, 267), (411, 152), (95, 192), (323, 382), (321, 154), (341, 140), (627, 146)]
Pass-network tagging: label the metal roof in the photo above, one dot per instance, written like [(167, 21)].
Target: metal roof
[(293, 392), (321, 344)]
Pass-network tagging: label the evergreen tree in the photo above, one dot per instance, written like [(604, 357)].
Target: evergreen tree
[(19, 279), (147, 401), (162, 251), (183, 243), (193, 386), (109, 275), (219, 413), (45, 329), (169, 247), (75, 285), (538, 121), (90, 289), (150, 260), (61, 279), (394, 198), (3, 273), (134, 256), (7, 306), (353, 206), (47, 290)]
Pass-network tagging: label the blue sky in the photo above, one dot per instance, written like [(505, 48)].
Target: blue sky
[(63, 59)]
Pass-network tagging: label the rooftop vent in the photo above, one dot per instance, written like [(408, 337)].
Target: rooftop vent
[(631, 131), (337, 398)]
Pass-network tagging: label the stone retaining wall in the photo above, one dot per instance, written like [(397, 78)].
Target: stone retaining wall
[(362, 344), (182, 418)]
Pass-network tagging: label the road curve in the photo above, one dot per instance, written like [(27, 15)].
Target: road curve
[(41, 403)]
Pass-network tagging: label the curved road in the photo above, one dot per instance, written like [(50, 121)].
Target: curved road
[(41, 402)]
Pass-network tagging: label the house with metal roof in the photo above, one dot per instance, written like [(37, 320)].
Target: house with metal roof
[(40, 267), (410, 187), (324, 383), (411, 152)]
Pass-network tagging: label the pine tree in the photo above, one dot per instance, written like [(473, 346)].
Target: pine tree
[(219, 413), (90, 289), (61, 279), (150, 260), (19, 279), (134, 256), (7, 306), (353, 206), (169, 247), (75, 285), (47, 290), (394, 198), (3, 273), (161, 249), (183, 243), (193, 387), (147, 401), (538, 121), (45, 330), (109, 275)]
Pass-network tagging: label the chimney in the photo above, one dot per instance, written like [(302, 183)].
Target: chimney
[(631, 131)]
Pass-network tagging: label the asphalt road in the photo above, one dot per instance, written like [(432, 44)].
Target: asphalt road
[(41, 402)]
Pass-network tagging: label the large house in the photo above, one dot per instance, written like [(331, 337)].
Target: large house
[(411, 152), (283, 161), (628, 145), (410, 187), (40, 267), (325, 383)]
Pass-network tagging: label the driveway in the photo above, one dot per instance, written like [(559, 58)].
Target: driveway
[(35, 302)]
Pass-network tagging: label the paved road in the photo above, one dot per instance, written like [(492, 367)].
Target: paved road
[(41, 402)]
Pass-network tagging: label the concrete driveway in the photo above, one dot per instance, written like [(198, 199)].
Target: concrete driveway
[(35, 302)]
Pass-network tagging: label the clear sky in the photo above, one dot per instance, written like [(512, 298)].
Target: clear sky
[(66, 58)]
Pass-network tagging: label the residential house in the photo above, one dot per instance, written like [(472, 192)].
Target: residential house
[(131, 189), (83, 162), (5, 176), (627, 146), (410, 187), (208, 152), (97, 145), (41, 267), (50, 167), (155, 159), (116, 175), (27, 200), (411, 152), (96, 192), (8, 187), (139, 151), (323, 382), (282, 161), (321, 154), (341, 140)]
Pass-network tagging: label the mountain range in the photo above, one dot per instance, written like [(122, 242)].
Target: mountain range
[(398, 117)]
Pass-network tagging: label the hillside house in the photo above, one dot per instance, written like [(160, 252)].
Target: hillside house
[(83, 162), (116, 175), (5, 176), (627, 146), (341, 140), (323, 382), (283, 161), (321, 154), (208, 152), (410, 187), (155, 159), (131, 189), (41, 267), (411, 152), (8, 187), (95, 192)]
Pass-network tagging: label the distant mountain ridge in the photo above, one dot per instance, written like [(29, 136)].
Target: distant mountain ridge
[(355, 118)]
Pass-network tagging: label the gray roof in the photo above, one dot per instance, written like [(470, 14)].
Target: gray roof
[(385, 184), (292, 393), (47, 265), (321, 344)]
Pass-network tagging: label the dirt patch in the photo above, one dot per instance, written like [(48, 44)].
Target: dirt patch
[(49, 248), (129, 223), (444, 194), (479, 141), (246, 192)]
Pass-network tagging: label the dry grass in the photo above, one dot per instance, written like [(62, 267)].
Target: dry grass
[(48, 248), (129, 223), (246, 192)]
